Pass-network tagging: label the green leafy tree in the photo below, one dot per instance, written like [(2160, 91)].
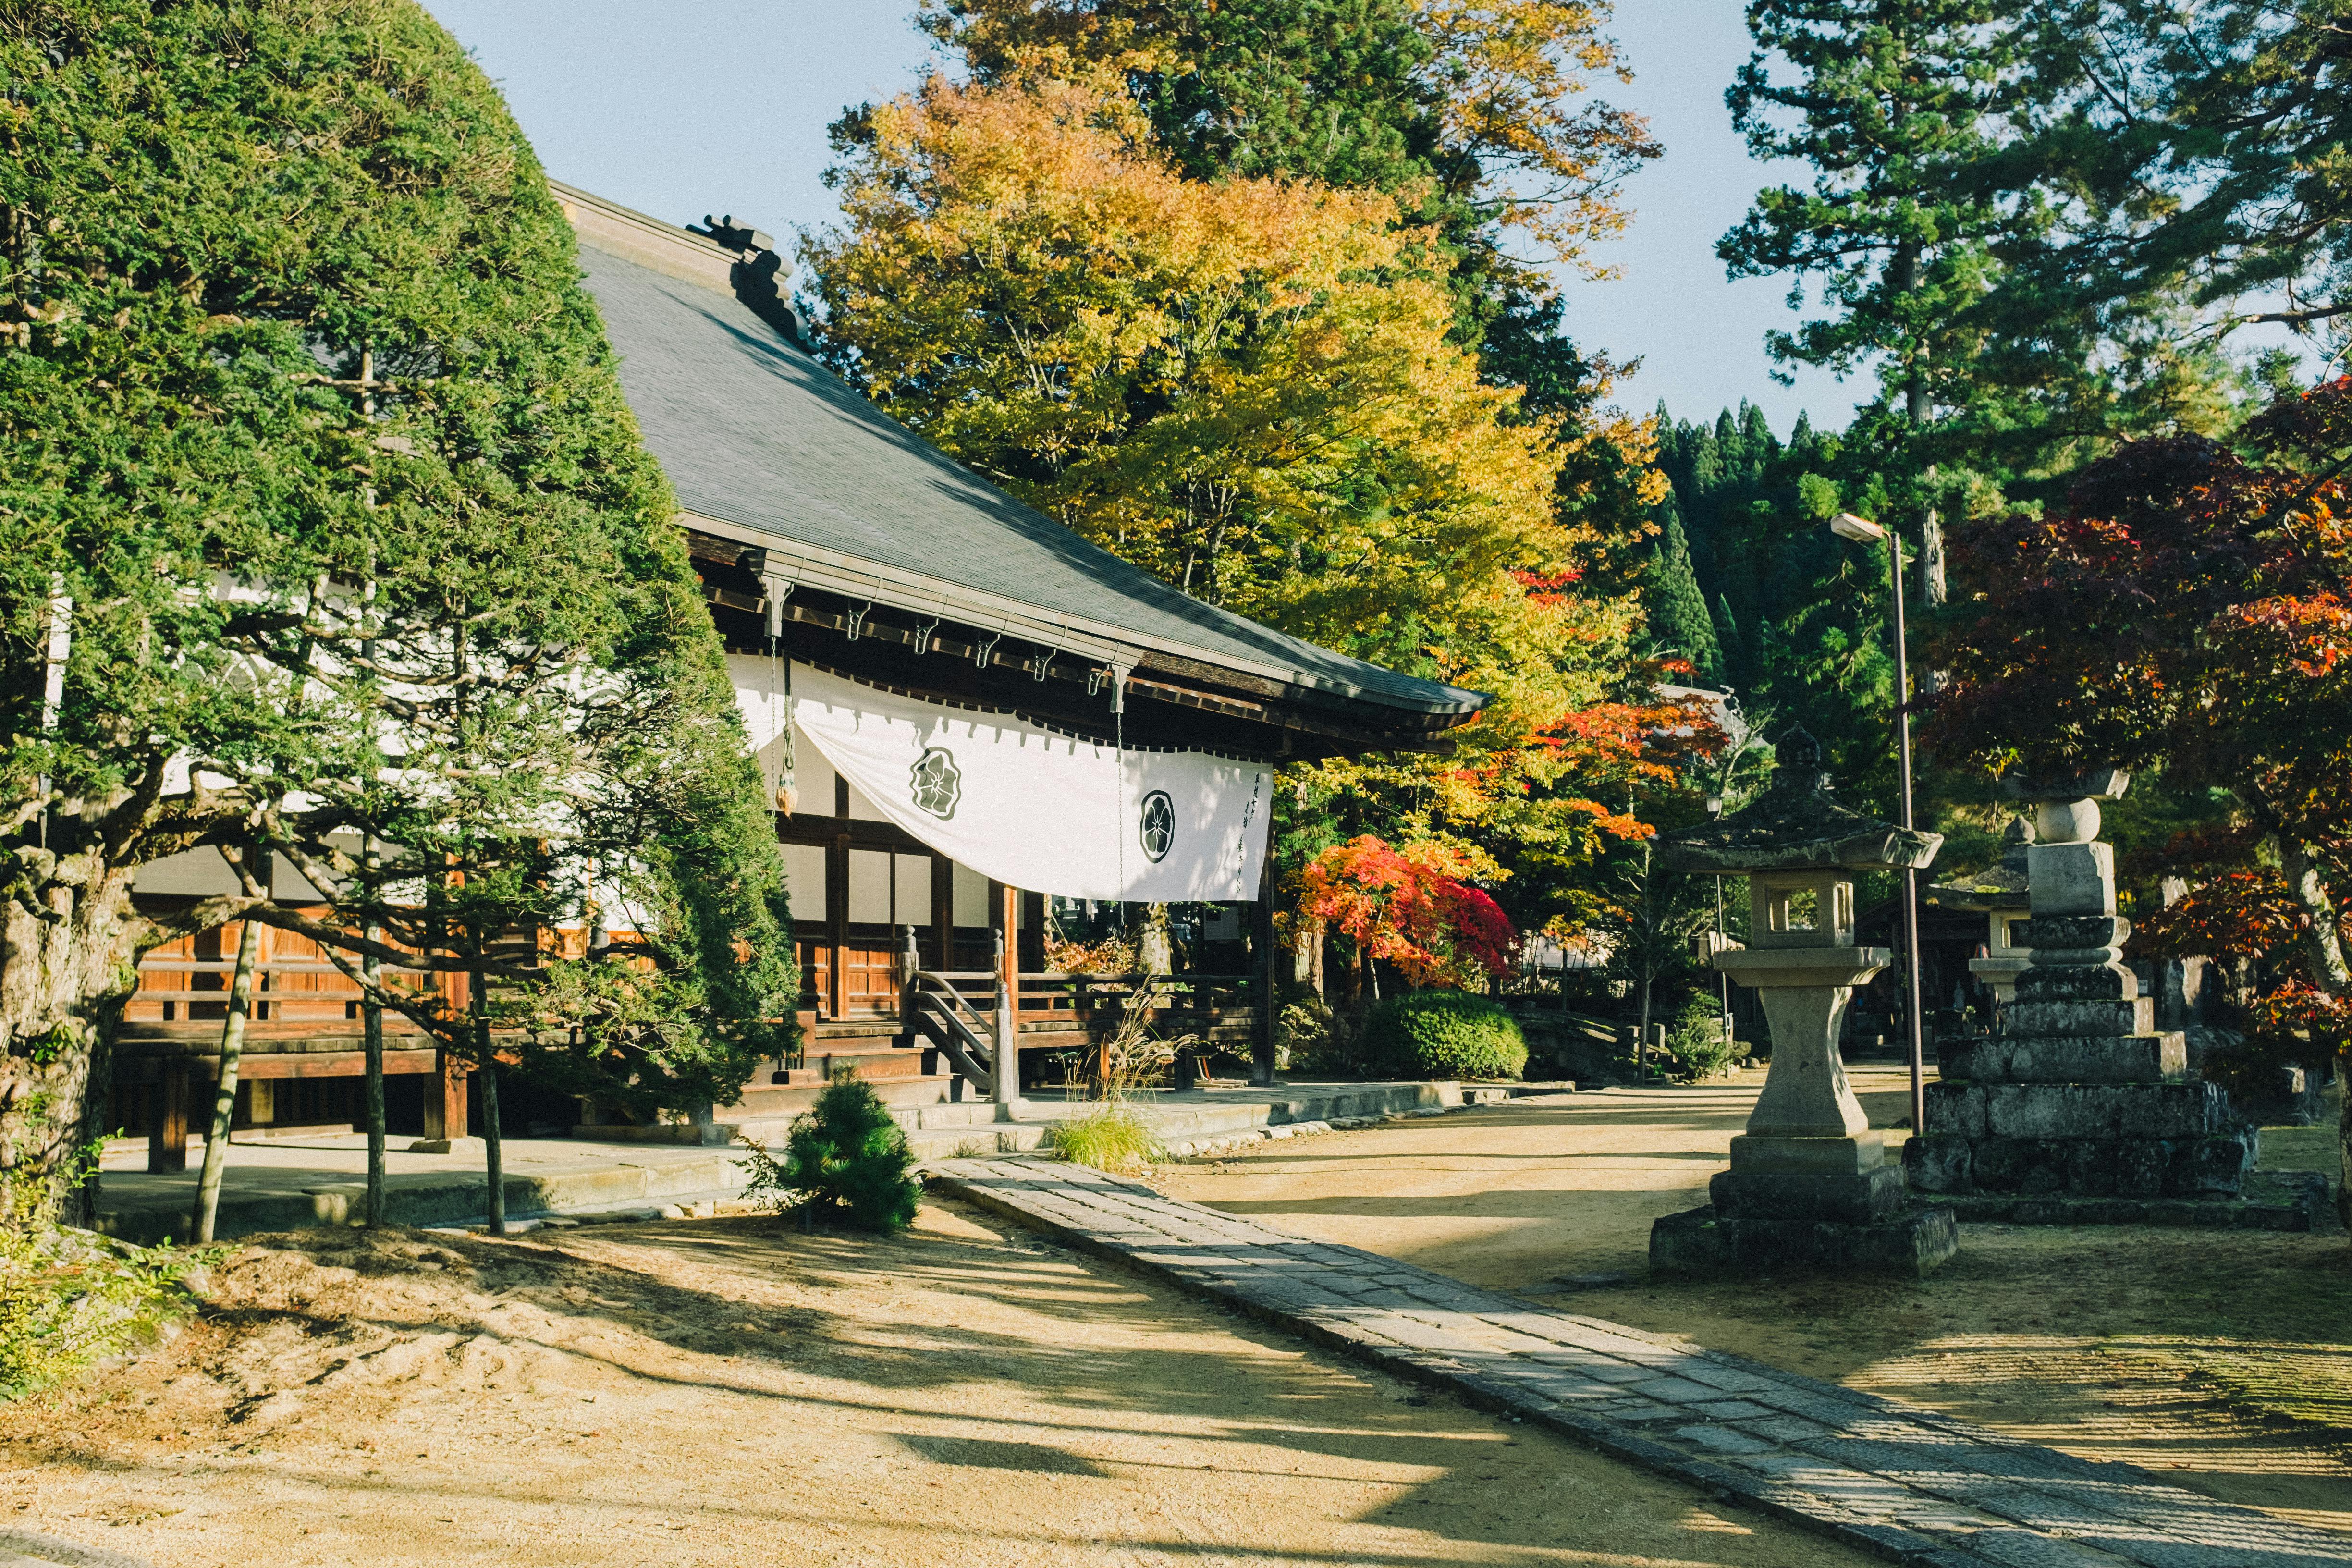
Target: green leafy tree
[(309, 420), (2202, 149)]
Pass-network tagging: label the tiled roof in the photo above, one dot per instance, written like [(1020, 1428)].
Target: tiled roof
[(755, 433)]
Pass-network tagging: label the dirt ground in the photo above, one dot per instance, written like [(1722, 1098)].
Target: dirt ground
[(733, 1391), (2225, 1357)]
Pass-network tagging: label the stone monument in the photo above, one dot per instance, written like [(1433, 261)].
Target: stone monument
[(1809, 1182), (2077, 1107)]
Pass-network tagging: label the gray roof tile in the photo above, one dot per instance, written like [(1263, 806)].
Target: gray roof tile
[(754, 432)]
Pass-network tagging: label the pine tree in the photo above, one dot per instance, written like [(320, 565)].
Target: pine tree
[(1897, 106), (309, 417)]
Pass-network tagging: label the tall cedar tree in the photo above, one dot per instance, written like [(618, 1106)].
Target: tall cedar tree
[(307, 416), (1679, 625), (1895, 104), (1801, 618), (2201, 154)]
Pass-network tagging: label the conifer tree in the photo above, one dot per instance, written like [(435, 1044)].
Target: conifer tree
[(311, 424), (1679, 625), (1897, 105)]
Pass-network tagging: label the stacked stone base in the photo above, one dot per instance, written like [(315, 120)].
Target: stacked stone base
[(2273, 1200), (1699, 1241), (1856, 1219), (2098, 1141), (2082, 1113)]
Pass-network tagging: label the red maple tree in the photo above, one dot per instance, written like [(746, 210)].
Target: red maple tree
[(1410, 908)]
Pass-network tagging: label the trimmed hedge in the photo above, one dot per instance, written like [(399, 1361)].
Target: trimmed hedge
[(1444, 1035)]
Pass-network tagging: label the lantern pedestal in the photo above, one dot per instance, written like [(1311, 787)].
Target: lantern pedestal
[(1810, 1184)]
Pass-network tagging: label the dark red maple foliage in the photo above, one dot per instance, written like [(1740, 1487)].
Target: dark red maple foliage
[(2189, 607)]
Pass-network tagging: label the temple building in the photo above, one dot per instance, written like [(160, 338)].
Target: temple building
[(961, 706)]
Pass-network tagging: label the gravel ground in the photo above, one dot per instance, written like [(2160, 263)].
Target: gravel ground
[(2225, 1357), (732, 1390)]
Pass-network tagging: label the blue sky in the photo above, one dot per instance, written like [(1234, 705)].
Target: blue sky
[(717, 105)]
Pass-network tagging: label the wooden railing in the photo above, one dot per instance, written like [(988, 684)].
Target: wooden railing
[(932, 1009), (319, 993)]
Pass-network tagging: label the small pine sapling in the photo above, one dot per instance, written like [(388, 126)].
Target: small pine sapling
[(846, 1155)]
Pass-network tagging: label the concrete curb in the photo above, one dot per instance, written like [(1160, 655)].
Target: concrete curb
[(432, 1199)]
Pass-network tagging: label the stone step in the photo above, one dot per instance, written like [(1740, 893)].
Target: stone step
[(873, 1065), (2135, 1015)]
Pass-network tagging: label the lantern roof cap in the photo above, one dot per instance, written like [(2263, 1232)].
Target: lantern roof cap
[(1797, 825)]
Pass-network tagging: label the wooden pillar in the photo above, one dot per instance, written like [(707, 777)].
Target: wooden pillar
[(1007, 1068), (837, 900), (167, 1127), (445, 1098), (1269, 1007), (943, 909)]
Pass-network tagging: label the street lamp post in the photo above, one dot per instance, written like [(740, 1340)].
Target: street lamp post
[(1860, 529)]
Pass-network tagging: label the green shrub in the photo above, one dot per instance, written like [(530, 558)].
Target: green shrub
[(1444, 1035), (1317, 1038), (845, 1155), (1697, 1042), (68, 1297), (1110, 1136)]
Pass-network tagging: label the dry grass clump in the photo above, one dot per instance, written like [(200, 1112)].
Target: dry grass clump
[(1112, 1135)]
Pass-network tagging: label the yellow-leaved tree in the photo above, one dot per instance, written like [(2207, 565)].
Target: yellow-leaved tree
[(1249, 387)]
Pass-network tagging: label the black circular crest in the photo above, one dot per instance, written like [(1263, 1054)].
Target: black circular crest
[(1156, 825)]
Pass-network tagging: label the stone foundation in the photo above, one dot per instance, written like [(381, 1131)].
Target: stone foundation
[(1709, 1241), (2079, 1111)]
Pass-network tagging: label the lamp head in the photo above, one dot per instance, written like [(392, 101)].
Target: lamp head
[(1860, 529)]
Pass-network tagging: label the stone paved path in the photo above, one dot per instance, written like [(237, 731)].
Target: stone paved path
[(1911, 1486)]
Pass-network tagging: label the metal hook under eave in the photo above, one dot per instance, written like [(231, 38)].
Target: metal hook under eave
[(1039, 666), (982, 653), (857, 618), (923, 632)]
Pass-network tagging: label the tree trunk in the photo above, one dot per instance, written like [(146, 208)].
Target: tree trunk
[(65, 973), (493, 1148), (1155, 950), (2321, 944), (1641, 1036), (232, 1052), (1903, 275), (372, 1026)]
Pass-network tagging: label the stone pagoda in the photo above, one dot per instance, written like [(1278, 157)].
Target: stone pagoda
[(2077, 1107), (1809, 1182)]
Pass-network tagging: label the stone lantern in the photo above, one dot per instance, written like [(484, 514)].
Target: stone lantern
[(1809, 1182), (1999, 893)]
